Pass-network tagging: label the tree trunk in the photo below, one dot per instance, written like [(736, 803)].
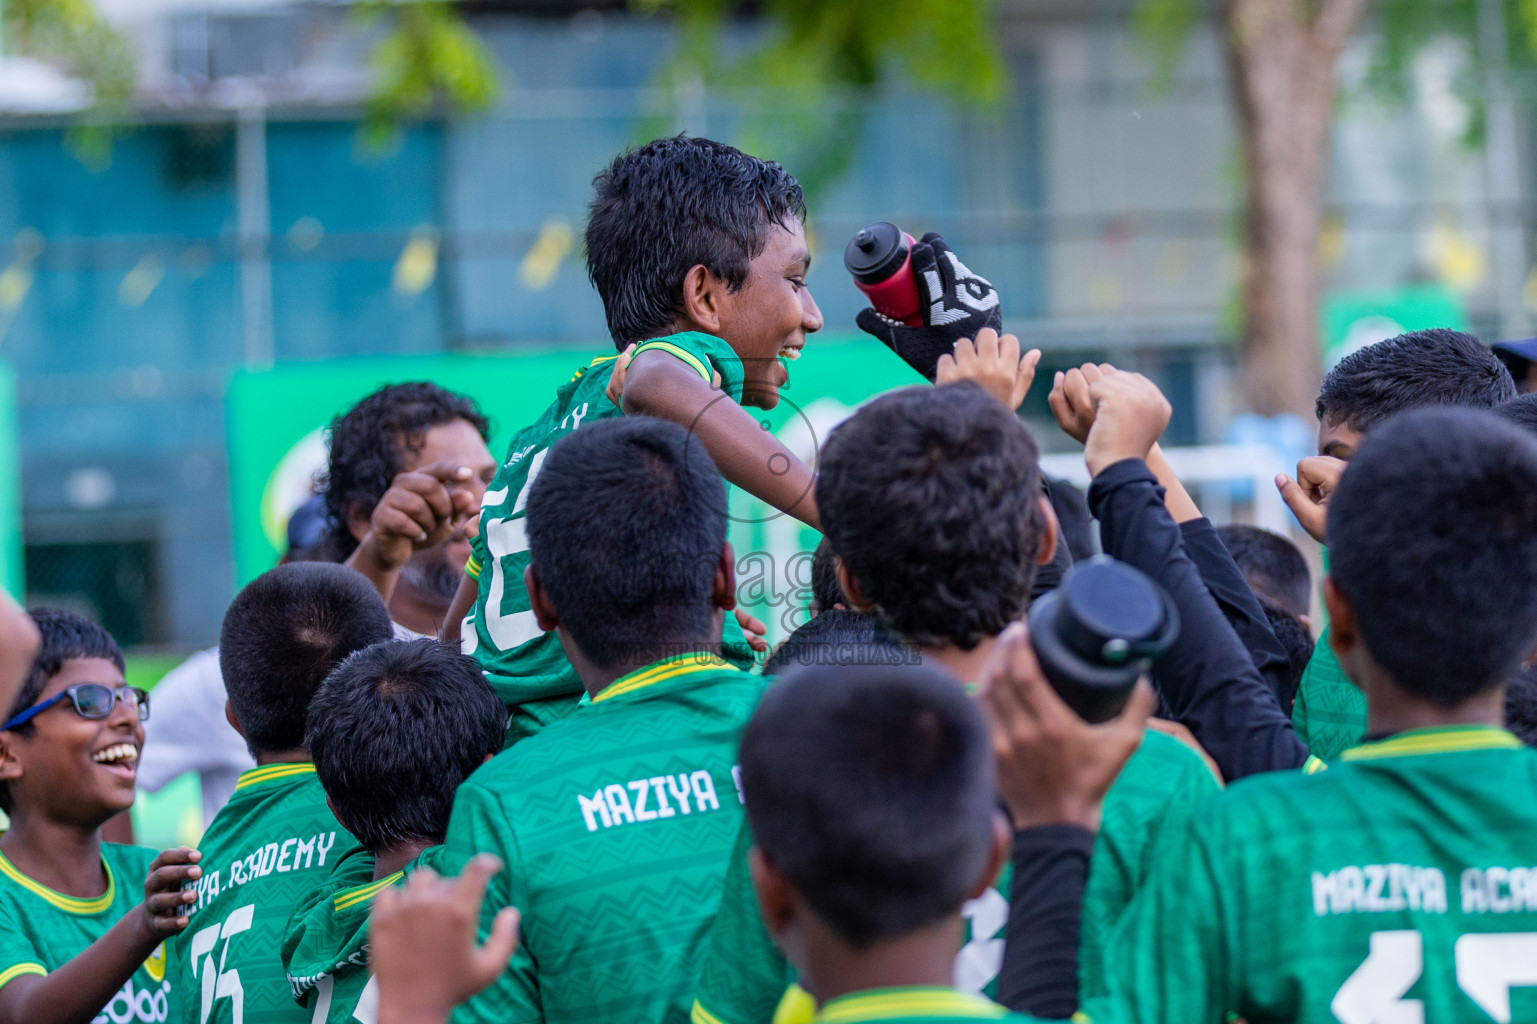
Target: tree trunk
[(1281, 62)]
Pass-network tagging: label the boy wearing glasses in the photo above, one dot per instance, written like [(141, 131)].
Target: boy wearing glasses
[(77, 942), (276, 839)]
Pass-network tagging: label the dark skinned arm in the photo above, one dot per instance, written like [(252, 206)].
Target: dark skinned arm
[(661, 385), (76, 992), (458, 608)]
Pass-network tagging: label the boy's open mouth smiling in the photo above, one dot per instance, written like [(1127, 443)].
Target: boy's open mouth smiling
[(122, 758)]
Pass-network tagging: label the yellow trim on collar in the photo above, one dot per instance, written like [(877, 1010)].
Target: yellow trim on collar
[(694, 362), (68, 904), (10, 974), (364, 893), (699, 1015), (1313, 765), (269, 772), (1444, 739), (896, 1003), (669, 668)]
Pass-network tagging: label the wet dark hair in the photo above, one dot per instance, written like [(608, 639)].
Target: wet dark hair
[(1414, 370), (393, 731), (369, 446), (839, 636), (283, 634), (931, 496), (872, 790), (669, 206), (626, 524), (825, 590), (1433, 542)]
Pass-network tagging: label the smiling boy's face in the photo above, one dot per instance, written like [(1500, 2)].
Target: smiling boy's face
[(767, 321), (74, 769)]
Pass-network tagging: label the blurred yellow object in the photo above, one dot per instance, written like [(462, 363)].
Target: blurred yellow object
[(1459, 262), (417, 266), (796, 1007), (542, 261), (140, 282)]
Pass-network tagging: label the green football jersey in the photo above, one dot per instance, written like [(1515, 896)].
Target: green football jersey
[(1400, 885), (270, 845), (1330, 711), (40, 930), (744, 975), (525, 665), (325, 949), (915, 1005), (616, 826)]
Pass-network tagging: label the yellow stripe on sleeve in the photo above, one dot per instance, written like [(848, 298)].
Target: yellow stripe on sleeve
[(10, 974)]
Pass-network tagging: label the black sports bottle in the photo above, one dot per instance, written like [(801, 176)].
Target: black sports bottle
[(1099, 632)]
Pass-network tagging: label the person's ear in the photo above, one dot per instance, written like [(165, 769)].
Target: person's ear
[(1050, 532), (229, 716), (1344, 635), (358, 525), (702, 294), (997, 854), (723, 591), (544, 609), (10, 767), (776, 896), (852, 591), (336, 814)]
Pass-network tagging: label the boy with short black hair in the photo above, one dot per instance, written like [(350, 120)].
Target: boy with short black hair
[(77, 942), (1272, 566), (276, 838), (393, 731), (699, 254), (1420, 369), (616, 823), (932, 498), (1391, 886), (873, 807)]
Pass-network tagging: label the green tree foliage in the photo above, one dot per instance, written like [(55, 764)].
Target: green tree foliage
[(427, 59), (813, 63), (72, 35)]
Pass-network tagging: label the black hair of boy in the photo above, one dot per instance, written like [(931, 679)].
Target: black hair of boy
[(393, 731), (1433, 542), (626, 524), (1521, 411), (1298, 643), (839, 636), (1272, 565), (872, 790), (825, 591), (62, 636), (369, 444), (670, 205), (1075, 526), (1521, 706), (1421, 368), (931, 496), (282, 635)]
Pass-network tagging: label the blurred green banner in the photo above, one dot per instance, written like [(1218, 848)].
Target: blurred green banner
[(1353, 320), (276, 420)]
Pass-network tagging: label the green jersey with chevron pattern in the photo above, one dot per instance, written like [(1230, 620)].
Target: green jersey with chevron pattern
[(41, 930), (1400, 885), (616, 826), (744, 975), (325, 949), (1330, 712), (525, 665), (273, 843)]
